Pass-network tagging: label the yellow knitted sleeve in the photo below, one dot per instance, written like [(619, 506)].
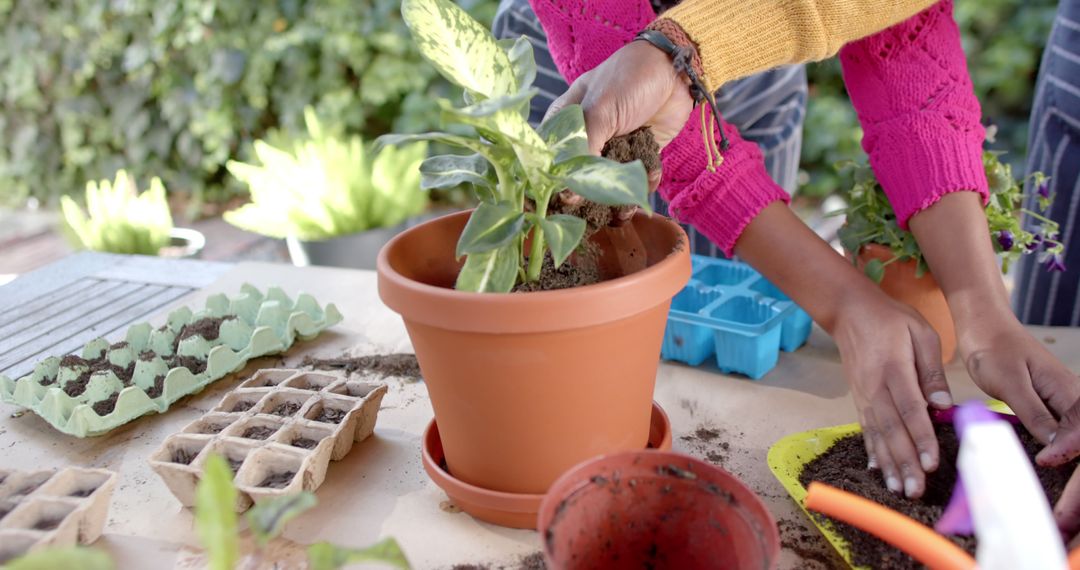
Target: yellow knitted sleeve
[(737, 38)]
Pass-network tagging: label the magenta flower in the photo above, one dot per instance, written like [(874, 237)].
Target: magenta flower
[(1055, 263), (1005, 240)]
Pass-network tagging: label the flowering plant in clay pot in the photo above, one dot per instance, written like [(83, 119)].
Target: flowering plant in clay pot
[(891, 257), (536, 326)]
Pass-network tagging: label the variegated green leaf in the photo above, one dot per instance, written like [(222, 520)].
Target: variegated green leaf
[(475, 145), (563, 234), (459, 47), (520, 52), (453, 170), (267, 519), (326, 556), (565, 135), (493, 271), (609, 182), (490, 226), (507, 125)]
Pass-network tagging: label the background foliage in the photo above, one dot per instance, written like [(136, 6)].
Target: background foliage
[(176, 88), (1003, 40)]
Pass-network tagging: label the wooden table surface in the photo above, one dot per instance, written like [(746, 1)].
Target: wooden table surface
[(380, 488)]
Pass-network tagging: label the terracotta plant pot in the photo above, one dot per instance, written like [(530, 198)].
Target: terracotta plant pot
[(920, 293), (654, 509), (527, 385), (516, 510)]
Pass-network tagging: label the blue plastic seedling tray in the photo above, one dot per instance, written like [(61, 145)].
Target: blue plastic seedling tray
[(730, 312)]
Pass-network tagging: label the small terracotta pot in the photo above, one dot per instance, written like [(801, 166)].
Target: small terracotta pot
[(920, 293), (516, 510), (527, 385), (653, 509)]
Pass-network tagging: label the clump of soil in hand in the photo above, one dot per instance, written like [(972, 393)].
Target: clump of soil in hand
[(286, 409), (242, 406), (278, 480), (565, 276), (304, 443), (158, 387), (183, 456), (403, 365), (48, 523), (106, 406), (259, 432), (331, 416), (844, 466)]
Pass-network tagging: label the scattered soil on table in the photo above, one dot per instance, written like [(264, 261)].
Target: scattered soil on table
[(304, 443), (183, 456), (534, 561), (259, 432), (158, 387), (403, 365), (709, 443), (286, 409), (77, 386), (82, 493), (242, 406), (234, 464), (278, 480), (808, 544), (195, 365), (844, 466), (106, 406), (48, 523), (330, 415), (569, 274)]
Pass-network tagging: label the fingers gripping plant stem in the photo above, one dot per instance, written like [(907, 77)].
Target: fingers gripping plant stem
[(510, 161)]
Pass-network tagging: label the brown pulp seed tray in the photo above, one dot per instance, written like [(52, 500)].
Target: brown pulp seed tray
[(47, 509), (278, 430)]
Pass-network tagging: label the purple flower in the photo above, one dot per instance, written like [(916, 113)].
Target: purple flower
[(1005, 240), (1043, 189), (1055, 263)]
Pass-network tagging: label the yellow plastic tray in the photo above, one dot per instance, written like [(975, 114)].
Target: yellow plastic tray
[(788, 456)]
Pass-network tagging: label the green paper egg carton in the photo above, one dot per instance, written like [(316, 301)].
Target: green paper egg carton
[(87, 397)]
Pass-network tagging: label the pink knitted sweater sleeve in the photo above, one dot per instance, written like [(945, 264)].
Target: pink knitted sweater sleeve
[(581, 35), (913, 94)]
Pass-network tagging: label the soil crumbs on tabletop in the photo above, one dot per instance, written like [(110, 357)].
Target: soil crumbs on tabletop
[(534, 561), (844, 466), (403, 365)]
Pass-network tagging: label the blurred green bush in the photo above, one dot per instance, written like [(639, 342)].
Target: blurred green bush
[(177, 88), (1003, 40)]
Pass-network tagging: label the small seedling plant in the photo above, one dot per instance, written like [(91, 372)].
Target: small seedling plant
[(217, 526), (510, 165), (871, 219)]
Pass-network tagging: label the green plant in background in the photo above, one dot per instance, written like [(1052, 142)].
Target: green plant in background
[(50, 559), (326, 185), (870, 219), (1003, 40), (176, 88), (121, 220), (217, 526), (511, 160)]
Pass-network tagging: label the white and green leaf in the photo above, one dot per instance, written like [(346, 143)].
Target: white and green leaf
[(563, 234), (460, 48), (267, 519), (215, 517), (608, 182), (494, 271), (489, 227), (520, 52), (564, 134), (452, 170)]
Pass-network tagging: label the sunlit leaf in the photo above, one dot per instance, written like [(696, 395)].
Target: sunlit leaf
[(609, 182)]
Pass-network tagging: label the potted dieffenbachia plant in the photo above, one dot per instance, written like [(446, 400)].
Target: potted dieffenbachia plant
[(330, 196), (891, 257), (527, 384)]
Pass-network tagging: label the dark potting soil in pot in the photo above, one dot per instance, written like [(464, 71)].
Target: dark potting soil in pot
[(234, 464), (183, 456), (330, 415), (259, 432), (304, 443), (844, 466), (147, 355), (278, 480), (49, 523), (106, 406), (286, 409), (207, 327), (402, 365), (82, 493), (77, 386), (158, 387), (195, 365), (567, 275), (242, 406)]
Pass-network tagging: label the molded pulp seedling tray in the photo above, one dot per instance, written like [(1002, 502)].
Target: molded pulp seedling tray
[(789, 456), (158, 360), (49, 509), (730, 312), (279, 431)]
